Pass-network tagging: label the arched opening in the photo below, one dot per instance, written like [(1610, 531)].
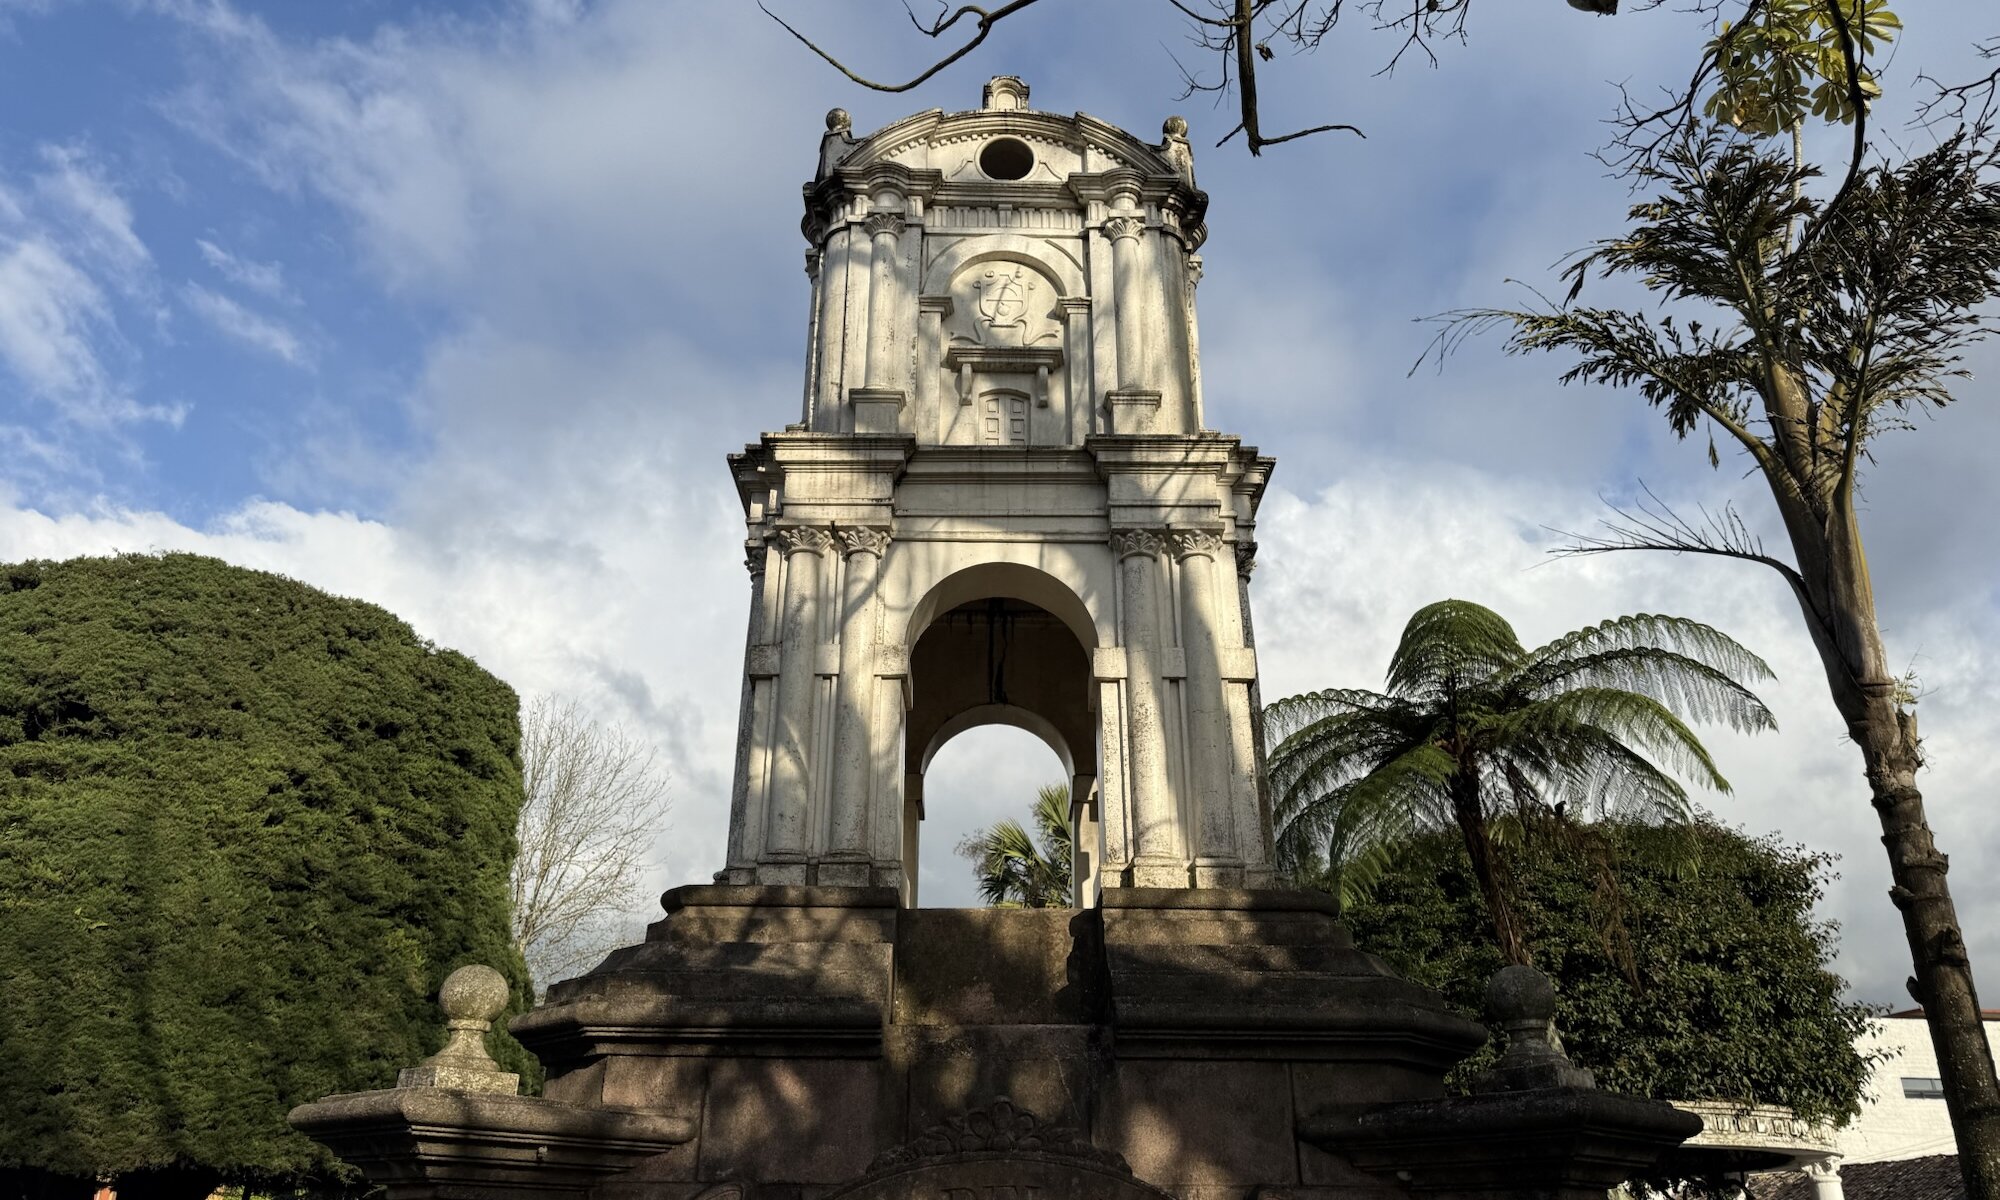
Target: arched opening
[(1007, 645), (975, 779)]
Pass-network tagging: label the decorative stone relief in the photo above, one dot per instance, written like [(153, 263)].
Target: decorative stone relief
[(1190, 542), (1127, 542), (884, 222), (809, 538), (1120, 228), (1246, 558), (1003, 304), (753, 556), (863, 539)]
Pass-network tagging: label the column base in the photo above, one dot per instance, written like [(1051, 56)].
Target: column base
[(877, 410), (1132, 410)]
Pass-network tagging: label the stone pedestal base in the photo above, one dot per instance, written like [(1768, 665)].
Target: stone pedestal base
[(820, 1041)]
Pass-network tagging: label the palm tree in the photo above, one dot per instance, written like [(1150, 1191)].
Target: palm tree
[(1018, 871), (1476, 731)]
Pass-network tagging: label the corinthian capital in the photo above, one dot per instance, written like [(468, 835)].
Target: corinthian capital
[(863, 539), (884, 222), (1120, 228), (1127, 542), (1246, 558), (1189, 542), (810, 539), (753, 556)]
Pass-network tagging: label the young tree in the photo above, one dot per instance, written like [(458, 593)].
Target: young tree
[(594, 805), (246, 830), (1802, 352), (1019, 871), (1476, 728)]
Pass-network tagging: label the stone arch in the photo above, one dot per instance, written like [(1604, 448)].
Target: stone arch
[(1064, 276), (1006, 644), (1014, 580)]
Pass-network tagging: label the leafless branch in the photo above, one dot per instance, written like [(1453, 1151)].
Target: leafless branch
[(984, 19), (1951, 103), (594, 805), (1644, 133), (1857, 96)]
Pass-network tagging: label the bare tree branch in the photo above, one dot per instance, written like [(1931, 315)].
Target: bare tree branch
[(947, 17), (594, 805), (1951, 102)]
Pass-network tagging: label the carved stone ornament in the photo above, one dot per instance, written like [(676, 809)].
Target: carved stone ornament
[(1189, 542), (1246, 558), (1127, 542), (753, 556), (809, 538), (884, 222), (1118, 228), (999, 1128), (862, 539)]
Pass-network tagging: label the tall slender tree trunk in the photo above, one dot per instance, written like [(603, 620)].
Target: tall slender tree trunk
[(1487, 869), (1838, 598)]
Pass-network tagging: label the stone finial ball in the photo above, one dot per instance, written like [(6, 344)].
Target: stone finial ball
[(837, 119), (1175, 127), (473, 993), (1520, 994)]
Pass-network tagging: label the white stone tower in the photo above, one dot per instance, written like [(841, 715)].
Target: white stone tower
[(1000, 505)]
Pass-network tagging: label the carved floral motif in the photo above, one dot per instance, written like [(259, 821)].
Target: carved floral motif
[(1127, 542), (884, 222), (753, 556), (862, 539), (1000, 1127), (809, 538), (1118, 228), (1246, 558), (1189, 542)]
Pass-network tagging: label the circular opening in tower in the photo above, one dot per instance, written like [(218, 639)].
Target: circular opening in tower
[(1006, 158)]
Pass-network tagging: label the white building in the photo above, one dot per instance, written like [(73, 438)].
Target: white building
[(1902, 1108)]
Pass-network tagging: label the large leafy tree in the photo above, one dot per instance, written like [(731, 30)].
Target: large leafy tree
[(1802, 353), (1019, 870), (1476, 731), (1727, 993), (246, 829)]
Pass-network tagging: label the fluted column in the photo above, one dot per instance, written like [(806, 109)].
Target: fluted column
[(789, 805), (1207, 720), (1158, 859), (1133, 406), (746, 796), (853, 740), (885, 233)]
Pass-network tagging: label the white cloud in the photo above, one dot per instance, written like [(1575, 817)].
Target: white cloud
[(264, 278), (252, 329), (77, 190)]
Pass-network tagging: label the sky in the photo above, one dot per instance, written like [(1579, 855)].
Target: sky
[(457, 308)]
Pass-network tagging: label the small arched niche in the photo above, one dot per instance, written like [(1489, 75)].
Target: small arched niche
[(1002, 644)]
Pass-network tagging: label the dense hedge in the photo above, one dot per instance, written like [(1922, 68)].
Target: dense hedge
[(246, 828), (1734, 998)]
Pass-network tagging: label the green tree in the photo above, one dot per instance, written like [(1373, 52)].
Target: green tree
[(1476, 730), (246, 829), (1019, 871), (1801, 353), (1729, 998)]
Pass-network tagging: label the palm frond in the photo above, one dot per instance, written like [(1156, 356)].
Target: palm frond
[(1449, 644), (1687, 685)]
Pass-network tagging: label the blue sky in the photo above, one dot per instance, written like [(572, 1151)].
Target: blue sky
[(458, 309)]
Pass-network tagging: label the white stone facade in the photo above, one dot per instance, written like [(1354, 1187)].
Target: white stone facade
[(1892, 1124), (1000, 506)]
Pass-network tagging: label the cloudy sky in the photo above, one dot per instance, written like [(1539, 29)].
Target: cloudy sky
[(457, 309)]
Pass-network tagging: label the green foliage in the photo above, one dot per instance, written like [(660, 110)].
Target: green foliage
[(246, 829), (1788, 61), (1482, 734), (1734, 1000), (1019, 871)]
